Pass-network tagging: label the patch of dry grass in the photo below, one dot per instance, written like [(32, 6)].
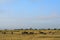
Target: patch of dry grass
[(17, 35)]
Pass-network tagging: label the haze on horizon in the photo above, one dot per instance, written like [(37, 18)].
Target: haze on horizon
[(29, 14)]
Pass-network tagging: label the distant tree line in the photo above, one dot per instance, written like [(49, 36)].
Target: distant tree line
[(37, 29)]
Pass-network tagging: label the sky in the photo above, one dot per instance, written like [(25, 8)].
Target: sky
[(16, 14)]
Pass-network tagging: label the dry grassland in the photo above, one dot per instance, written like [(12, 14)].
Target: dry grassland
[(29, 34)]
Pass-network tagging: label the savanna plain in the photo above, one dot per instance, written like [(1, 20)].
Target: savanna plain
[(29, 34)]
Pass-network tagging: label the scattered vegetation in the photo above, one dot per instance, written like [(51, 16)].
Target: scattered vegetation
[(30, 34)]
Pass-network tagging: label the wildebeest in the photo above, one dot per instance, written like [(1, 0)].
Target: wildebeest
[(24, 32), (11, 32), (51, 32), (31, 32), (43, 33), (27, 32), (3, 32)]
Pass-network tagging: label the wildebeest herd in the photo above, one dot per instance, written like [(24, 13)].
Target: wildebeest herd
[(44, 33), (25, 32)]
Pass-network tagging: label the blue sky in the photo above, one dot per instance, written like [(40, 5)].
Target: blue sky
[(29, 13)]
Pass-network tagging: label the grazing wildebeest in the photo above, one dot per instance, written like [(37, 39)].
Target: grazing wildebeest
[(24, 32), (43, 33), (51, 32), (11, 32), (31, 32), (3, 32)]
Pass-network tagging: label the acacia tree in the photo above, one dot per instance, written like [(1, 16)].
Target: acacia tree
[(48, 28), (31, 29), (55, 29)]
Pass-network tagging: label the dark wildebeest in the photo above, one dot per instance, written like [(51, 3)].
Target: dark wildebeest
[(42, 33), (51, 32), (3, 32), (31, 32), (11, 32), (24, 32)]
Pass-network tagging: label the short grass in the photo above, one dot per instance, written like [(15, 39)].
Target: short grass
[(17, 35)]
